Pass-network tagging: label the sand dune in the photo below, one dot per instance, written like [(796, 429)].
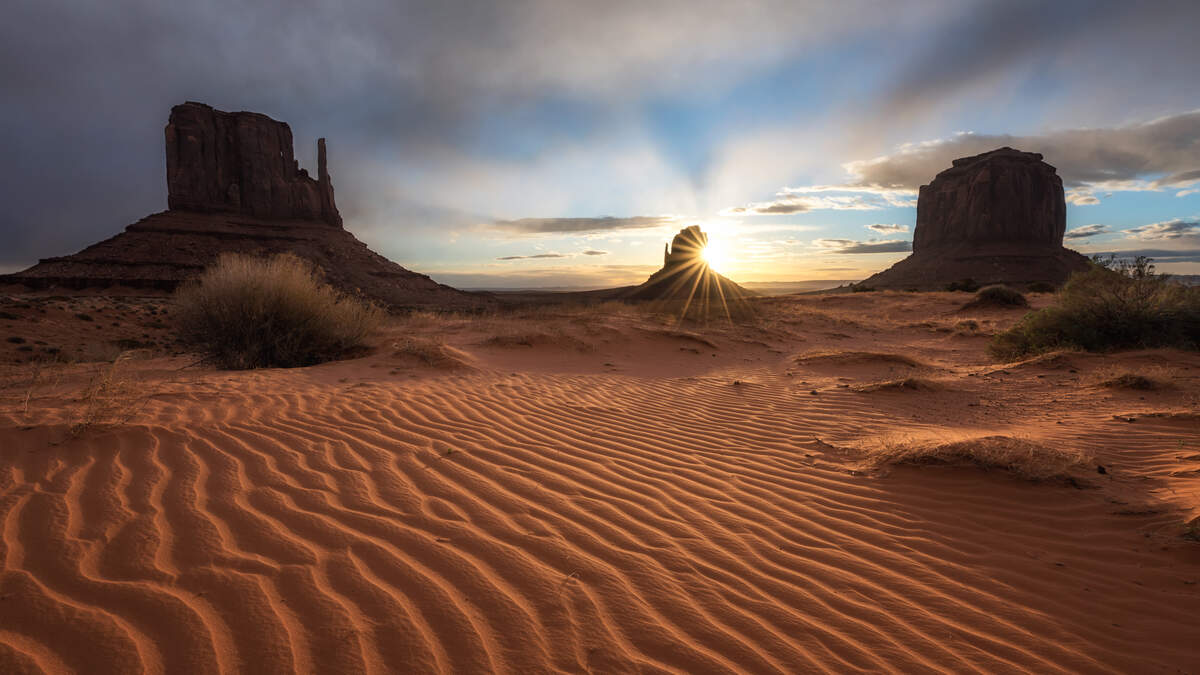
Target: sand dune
[(652, 503)]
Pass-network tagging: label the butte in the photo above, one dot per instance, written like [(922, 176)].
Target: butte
[(233, 185), (686, 278), (998, 217)]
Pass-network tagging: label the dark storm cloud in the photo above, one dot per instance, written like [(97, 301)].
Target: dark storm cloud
[(856, 247), (579, 225), (982, 44), (1085, 231)]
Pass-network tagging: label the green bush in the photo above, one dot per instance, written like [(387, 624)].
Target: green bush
[(248, 312), (998, 295), (1108, 307)]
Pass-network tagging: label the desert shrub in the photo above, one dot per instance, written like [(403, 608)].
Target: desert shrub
[(968, 285), (248, 312), (1107, 308), (1130, 381), (1015, 455), (1041, 287), (861, 289), (998, 296)]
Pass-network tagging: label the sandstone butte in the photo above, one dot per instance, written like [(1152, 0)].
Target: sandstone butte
[(685, 277), (234, 185), (997, 217)]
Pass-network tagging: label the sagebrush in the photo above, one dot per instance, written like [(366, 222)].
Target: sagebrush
[(1111, 306), (248, 312)]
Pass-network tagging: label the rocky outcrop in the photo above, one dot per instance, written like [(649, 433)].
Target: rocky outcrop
[(686, 248), (235, 187), (1004, 196), (242, 162), (997, 217), (687, 279)]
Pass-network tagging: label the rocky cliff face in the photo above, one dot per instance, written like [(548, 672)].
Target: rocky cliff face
[(243, 163), (1005, 196), (997, 217)]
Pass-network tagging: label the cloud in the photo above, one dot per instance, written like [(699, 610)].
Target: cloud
[(533, 257), (884, 228), (1130, 157), (578, 225), (801, 199), (1169, 229), (595, 252), (849, 246), (1162, 255), (1085, 231), (1081, 197)]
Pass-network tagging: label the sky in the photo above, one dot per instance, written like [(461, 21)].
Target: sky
[(560, 144)]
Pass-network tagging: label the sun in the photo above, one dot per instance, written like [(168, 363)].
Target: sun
[(716, 255)]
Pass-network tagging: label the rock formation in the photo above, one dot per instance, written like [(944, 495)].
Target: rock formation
[(997, 217), (242, 162), (234, 186), (686, 278)]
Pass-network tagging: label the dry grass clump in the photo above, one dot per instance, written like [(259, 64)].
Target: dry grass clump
[(110, 397), (432, 353), (900, 384), (248, 312), (1020, 457), (1147, 379), (536, 339), (997, 296), (834, 358)]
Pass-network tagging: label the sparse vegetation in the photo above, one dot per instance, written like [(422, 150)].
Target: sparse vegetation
[(111, 397), (1041, 287), (1114, 305), (1146, 378), (1018, 456), (901, 384), (1130, 381), (997, 296), (967, 285), (858, 357), (432, 353), (247, 312)]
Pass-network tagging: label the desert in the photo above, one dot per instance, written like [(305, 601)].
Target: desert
[(536, 337), (600, 489)]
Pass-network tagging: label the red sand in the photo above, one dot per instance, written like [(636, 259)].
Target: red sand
[(596, 491)]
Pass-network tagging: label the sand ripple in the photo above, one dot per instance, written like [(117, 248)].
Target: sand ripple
[(555, 523)]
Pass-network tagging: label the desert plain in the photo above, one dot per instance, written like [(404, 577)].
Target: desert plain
[(597, 488)]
